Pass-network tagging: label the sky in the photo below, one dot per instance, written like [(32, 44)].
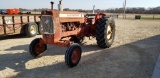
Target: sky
[(77, 4)]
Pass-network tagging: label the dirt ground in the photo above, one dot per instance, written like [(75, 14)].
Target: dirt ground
[(132, 55)]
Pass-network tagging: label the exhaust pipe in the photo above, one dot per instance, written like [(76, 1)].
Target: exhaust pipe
[(52, 3), (60, 8)]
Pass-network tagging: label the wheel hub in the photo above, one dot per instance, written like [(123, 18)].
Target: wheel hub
[(75, 56), (109, 32), (33, 29), (39, 48)]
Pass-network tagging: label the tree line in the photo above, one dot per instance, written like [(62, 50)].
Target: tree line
[(137, 10), (134, 10)]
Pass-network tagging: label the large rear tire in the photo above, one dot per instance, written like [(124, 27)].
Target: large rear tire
[(73, 55), (37, 47), (105, 32), (31, 29)]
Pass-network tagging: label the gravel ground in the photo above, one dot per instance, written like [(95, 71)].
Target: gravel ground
[(133, 55)]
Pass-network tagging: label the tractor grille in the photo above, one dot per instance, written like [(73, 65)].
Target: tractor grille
[(48, 24)]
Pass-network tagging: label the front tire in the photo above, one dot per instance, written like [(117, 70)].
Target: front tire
[(73, 55), (37, 47), (105, 32)]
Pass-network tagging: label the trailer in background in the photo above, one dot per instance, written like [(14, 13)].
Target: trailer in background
[(28, 24), (3, 11), (13, 11)]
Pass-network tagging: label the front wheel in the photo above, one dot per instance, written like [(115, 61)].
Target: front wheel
[(73, 55), (105, 32), (37, 47)]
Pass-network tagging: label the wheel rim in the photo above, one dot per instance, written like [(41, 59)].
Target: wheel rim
[(109, 32), (75, 56), (33, 29), (39, 48)]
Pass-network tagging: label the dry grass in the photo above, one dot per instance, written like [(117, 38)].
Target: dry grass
[(143, 16)]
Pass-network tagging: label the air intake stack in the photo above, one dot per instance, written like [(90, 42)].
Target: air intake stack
[(93, 9), (52, 4)]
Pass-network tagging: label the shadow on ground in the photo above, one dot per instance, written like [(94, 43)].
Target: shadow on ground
[(133, 60), (16, 36)]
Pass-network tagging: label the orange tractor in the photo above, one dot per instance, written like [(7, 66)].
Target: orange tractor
[(68, 28)]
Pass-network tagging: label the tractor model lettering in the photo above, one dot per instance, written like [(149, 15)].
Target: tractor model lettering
[(71, 15)]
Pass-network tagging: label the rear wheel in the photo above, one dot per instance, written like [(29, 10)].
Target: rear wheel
[(73, 55), (31, 29), (105, 32), (37, 47)]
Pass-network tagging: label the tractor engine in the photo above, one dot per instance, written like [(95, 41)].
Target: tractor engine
[(70, 26)]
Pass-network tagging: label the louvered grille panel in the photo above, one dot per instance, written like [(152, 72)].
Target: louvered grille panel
[(48, 24)]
